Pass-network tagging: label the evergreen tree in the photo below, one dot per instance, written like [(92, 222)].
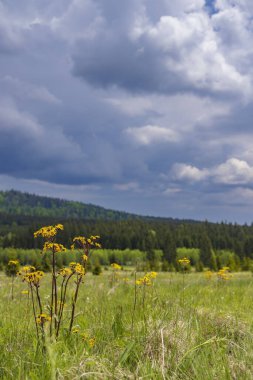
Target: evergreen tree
[(205, 250), (169, 248)]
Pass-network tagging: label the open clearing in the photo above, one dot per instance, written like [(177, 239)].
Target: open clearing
[(181, 327)]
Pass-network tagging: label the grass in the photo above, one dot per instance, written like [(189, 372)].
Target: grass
[(203, 330)]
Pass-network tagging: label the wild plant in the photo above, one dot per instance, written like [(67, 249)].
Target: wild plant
[(59, 281), (11, 270)]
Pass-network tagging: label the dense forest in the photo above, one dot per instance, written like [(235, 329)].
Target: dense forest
[(21, 214)]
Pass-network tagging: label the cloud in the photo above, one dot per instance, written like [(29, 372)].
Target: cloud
[(192, 58), (130, 186), (112, 94), (188, 173), (151, 134), (231, 172), (23, 89)]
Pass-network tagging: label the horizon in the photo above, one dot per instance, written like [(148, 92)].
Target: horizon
[(142, 108), (123, 211)]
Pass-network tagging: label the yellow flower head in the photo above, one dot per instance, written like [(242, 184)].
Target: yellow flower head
[(28, 269), (43, 318), (116, 266), (33, 278), (54, 247), (13, 262), (92, 342), (65, 272), (77, 268), (184, 262), (147, 279), (48, 232), (208, 275), (82, 242), (152, 274), (224, 274)]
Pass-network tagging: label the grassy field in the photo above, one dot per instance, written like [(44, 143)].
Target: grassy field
[(181, 327)]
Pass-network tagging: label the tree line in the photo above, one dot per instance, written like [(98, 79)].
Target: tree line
[(137, 234)]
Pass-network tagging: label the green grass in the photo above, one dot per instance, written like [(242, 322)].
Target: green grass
[(188, 328)]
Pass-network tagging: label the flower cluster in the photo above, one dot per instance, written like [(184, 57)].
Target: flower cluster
[(54, 247), (147, 279), (48, 232), (208, 275), (26, 269), (80, 242), (224, 274), (65, 272), (116, 266), (42, 319), (184, 262), (13, 262), (77, 268), (32, 278), (85, 337), (12, 268), (60, 281)]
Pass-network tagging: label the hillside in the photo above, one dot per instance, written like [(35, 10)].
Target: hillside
[(17, 203), (21, 214)]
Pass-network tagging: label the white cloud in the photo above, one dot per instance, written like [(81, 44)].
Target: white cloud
[(129, 186), (151, 134), (193, 50), (188, 173), (232, 172), (172, 191)]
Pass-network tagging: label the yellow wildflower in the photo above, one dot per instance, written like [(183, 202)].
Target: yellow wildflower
[(224, 274), (147, 279), (92, 342), (48, 232), (208, 275), (86, 243), (13, 262), (43, 318), (65, 272), (33, 278), (184, 262), (116, 266), (54, 247)]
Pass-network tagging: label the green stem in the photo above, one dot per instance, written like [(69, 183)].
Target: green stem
[(135, 300), (74, 303), (34, 312)]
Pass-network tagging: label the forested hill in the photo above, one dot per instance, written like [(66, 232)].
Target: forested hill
[(17, 203), (21, 214)]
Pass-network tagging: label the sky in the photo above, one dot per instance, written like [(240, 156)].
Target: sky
[(136, 105)]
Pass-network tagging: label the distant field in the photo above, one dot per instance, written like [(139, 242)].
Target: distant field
[(186, 327)]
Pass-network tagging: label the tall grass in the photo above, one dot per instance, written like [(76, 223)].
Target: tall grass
[(191, 329)]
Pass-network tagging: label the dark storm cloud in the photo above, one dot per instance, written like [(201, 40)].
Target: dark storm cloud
[(171, 55), (132, 104), (126, 65)]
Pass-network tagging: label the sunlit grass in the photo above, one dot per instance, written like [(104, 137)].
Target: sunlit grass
[(191, 329)]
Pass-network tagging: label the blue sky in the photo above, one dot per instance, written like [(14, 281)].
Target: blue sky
[(140, 106)]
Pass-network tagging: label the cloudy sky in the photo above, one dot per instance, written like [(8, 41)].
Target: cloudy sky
[(138, 105)]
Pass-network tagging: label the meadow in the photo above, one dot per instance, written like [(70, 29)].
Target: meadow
[(179, 327)]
